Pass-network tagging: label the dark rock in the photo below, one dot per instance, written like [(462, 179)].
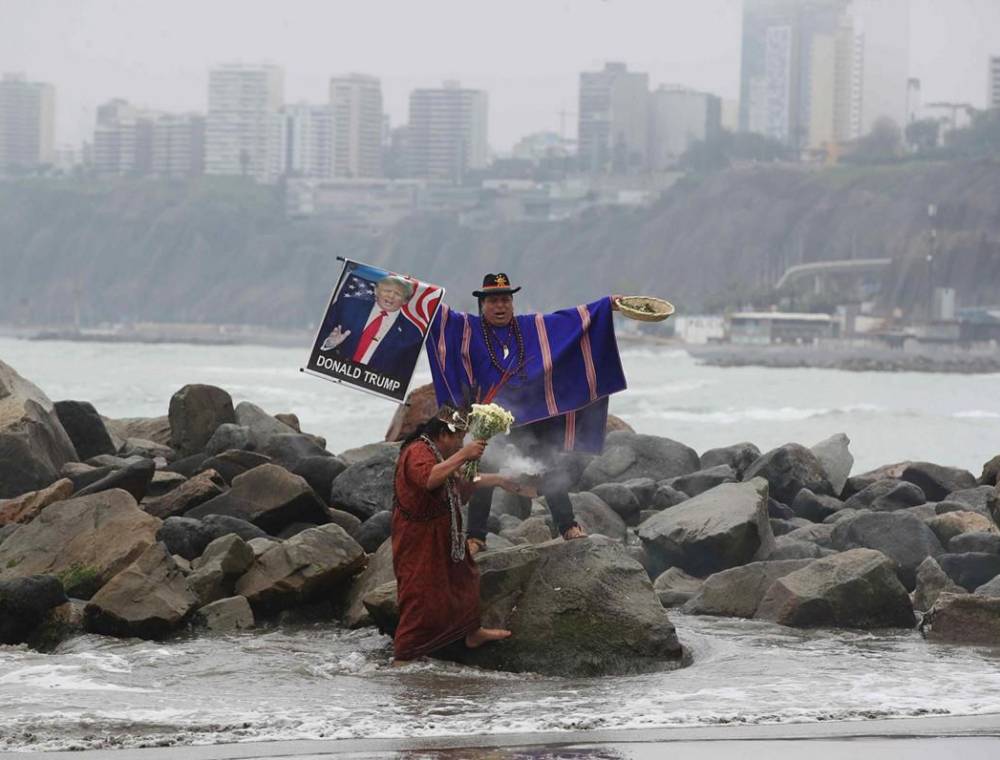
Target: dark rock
[(644, 489), (720, 528), (698, 482), (982, 499), (196, 411), (887, 496), (229, 436), (164, 482), (24, 603), (836, 459), (81, 474), (899, 535), (674, 587), (25, 508), (505, 503), (932, 581), (820, 534), (815, 507), (33, 444), (788, 469), (596, 517), (373, 531), (854, 589), (790, 548), (188, 495), (370, 450), (534, 530), (630, 455), (320, 471), (225, 615), (268, 496), (85, 428), (937, 481), (645, 514), (288, 449), (619, 497), (156, 429), (739, 456), (140, 447), (291, 419), (60, 623), (185, 536), (970, 570), (188, 466), (215, 572), (233, 463), (84, 541), (149, 599), (987, 543), (133, 479), (293, 529), (991, 472), (113, 462), (944, 507), (262, 425), (366, 487), (220, 525), (952, 524), (964, 619), (922, 511), (781, 527), (378, 572), (778, 511), (345, 520), (668, 496), (738, 591)]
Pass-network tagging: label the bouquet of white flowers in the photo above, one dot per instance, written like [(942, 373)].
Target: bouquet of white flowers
[(485, 421)]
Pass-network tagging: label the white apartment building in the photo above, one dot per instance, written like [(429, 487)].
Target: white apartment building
[(678, 117), (358, 124), (993, 96), (447, 132), (613, 126), (309, 141), (27, 122)]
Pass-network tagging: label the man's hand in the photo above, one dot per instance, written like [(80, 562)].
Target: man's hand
[(337, 336), (614, 302), (473, 450)]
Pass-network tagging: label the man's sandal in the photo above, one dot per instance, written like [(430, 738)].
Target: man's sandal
[(475, 545), (573, 532)]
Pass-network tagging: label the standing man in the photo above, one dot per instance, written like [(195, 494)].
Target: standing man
[(554, 372)]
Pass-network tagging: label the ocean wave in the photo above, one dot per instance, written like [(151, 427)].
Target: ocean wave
[(730, 415), (61, 677), (977, 414)]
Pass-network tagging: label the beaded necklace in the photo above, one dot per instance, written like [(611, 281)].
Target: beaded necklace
[(489, 332), (454, 504)]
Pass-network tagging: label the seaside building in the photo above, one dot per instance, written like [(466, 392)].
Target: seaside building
[(245, 129), (309, 141), (358, 125), (27, 122), (447, 134), (766, 327), (613, 126), (677, 118), (179, 145), (123, 139), (993, 96)]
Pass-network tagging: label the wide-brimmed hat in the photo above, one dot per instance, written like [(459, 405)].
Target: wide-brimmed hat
[(495, 285)]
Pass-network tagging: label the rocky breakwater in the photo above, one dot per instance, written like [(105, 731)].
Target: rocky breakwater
[(224, 517)]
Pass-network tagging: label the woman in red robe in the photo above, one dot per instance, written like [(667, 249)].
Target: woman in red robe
[(436, 577)]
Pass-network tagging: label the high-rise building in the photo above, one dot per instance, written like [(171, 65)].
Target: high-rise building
[(993, 96), (179, 145), (613, 125), (245, 129), (885, 26), (677, 118), (123, 139), (356, 101), (447, 132), (309, 141), (27, 122)]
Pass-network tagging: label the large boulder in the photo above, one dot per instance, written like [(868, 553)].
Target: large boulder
[(288, 449), (815, 507), (631, 455), (232, 463), (366, 486), (225, 615), (320, 472), (790, 548), (788, 469), (991, 472), (899, 535), (666, 497), (228, 436), (188, 495), (84, 541), (835, 457), (25, 508), (576, 609), (937, 481), (268, 496), (596, 517), (378, 572), (854, 589), (215, 572), (700, 481), (738, 591), (149, 599), (952, 524), (85, 429), (620, 498), (262, 425), (972, 569), (932, 581), (739, 456), (964, 619), (674, 587), (33, 444), (373, 531), (887, 496), (301, 569), (981, 499), (988, 543), (534, 530), (195, 412), (156, 429), (24, 604), (721, 528), (188, 538), (134, 479), (421, 404), (858, 483)]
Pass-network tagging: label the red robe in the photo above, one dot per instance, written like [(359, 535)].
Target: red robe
[(438, 598)]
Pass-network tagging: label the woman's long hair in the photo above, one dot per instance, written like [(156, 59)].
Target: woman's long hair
[(432, 429)]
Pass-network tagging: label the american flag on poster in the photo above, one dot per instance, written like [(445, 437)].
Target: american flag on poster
[(422, 305)]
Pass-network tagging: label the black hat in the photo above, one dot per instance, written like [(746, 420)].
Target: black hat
[(495, 285)]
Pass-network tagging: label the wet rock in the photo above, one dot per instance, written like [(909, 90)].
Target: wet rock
[(25, 508), (596, 517), (576, 609), (854, 589), (33, 444), (720, 528), (788, 469), (739, 456), (815, 507), (378, 572), (982, 499), (952, 524), (970, 570), (937, 481), (225, 615), (319, 472), (619, 497), (836, 459), (148, 599), (268, 496), (61, 622), (229, 436), (533, 530), (674, 587), (185, 536), (366, 486), (84, 541), (630, 455), (24, 604), (312, 564), (932, 581), (195, 412), (698, 482), (738, 591), (991, 472), (85, 428), (964, 619), (133, 479), (373, 531), (233, 463), (188, 495), (668, 496), (887, 496), (987, 543), (215, 572), (262, 425), (899, 535)]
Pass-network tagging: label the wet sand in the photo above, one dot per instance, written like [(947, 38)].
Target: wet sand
[(970, 738)]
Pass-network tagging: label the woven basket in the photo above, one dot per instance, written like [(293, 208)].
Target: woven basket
[(645, 308)]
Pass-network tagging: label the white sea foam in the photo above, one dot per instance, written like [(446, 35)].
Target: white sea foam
[(60, 677), (977, 414)]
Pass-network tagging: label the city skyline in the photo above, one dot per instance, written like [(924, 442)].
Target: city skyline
[(528, 62)]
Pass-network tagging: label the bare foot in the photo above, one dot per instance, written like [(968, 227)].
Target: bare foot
[(474, 546), (575, 532), (482, 635)]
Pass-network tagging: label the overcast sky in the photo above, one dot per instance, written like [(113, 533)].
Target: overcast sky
[(526, 53)]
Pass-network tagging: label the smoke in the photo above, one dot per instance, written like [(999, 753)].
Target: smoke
[(512, 463)]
